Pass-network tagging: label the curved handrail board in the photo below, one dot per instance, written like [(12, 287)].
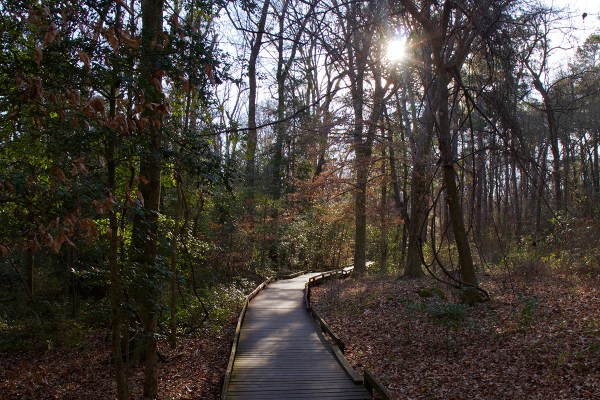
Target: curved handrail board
[(371, 383), (236, 337)]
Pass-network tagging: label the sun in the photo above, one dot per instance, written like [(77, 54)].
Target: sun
[(396, 50)]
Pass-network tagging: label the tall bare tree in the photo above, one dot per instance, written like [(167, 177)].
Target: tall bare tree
[(145, 230), (453, 30), (256, 44)]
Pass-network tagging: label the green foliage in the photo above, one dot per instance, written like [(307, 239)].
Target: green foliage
[(316, 239), (222, 302), (527, 310), (449, 315), (38, 337), (432, 291), (570, 246)]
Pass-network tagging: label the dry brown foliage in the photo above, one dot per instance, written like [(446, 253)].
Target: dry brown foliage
[(191, 371), (539, 339)]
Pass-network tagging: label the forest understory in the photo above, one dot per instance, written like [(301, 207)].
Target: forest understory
[(537, 338), (193, 370)]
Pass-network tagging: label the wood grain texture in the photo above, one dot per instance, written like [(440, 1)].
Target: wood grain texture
[(281, 354)]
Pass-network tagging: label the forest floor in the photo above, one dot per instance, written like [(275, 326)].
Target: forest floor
[(537, 338), (191, 371)]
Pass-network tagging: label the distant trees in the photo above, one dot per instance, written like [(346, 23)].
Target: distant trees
[(582, 86), (466, 173)]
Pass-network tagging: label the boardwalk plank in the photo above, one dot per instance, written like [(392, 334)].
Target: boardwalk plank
[(281, 355)]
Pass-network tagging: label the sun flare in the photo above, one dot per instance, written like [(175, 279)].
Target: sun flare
[(396, 50)]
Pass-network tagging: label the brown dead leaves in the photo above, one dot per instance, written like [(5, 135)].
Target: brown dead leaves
[(541, 341), (192, 371)]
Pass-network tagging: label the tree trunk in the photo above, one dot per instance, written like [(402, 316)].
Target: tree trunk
[(362, 161), (399, 198), (553, 136), (280, 128), (596, 168), (174, 254), (29, 270), (145, 224), (417, 222), (465, 259), (480, 186), (383, 243), (420, 150), (116, 288), (517, 200), (541, 185), (252, 132)]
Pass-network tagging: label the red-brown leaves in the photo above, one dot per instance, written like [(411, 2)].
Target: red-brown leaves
[(97, 104), (37, 55), (209, 70), (85, 59), (88, 229), (119, 124), (50, 35), (192, 371), (58, 174), (130, 41), (185, 84), (74, 98), (494, 354), (36, 92), (111, 37), (140, 198), (4, 250), (60, 239), (78, 167)]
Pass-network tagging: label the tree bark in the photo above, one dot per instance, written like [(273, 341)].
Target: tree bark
[(116, 287), (145, 223), (421, 142), (252, 83), (383, 243), (516, 200), (174, 254), (552, 121), (362, 161), (282, 74), (465, 259)]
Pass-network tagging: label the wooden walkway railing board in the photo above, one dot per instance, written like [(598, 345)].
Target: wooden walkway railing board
[(280, 354)]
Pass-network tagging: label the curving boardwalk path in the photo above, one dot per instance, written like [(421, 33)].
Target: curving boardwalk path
[(280, 355)]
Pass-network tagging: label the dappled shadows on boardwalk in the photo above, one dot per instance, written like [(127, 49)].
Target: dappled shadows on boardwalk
[(281, 355)]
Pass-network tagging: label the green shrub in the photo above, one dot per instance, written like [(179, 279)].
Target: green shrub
[(528, 309), (431, 292)]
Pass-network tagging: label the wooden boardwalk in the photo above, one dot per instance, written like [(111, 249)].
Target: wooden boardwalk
[(280, 355)]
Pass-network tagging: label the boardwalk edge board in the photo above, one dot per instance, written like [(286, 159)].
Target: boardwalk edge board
[(371, 383), (238, 328), (236, 337), (327, 329)]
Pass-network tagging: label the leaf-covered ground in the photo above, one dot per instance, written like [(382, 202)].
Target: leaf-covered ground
[(191, 371), (538, 337)]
